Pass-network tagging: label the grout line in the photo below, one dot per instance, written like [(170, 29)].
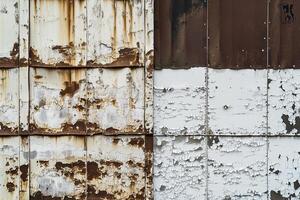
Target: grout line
[(267, 108)]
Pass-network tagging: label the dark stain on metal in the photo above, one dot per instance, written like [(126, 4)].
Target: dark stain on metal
[(101, 194), (278, 196), (180, 33), (296, 185), (290, 126), (128, 57), (211, 140), (13, 171), (10, 187), (237, 34), (5, 130), (24, 172), (139, 142), (70, 88), (39, 196), (93, 171), (284, 31), (111, 163), (13, 60), (78, 166)]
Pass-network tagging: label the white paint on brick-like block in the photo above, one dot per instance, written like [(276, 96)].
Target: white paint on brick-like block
[(179, 101), (284, 104), (237, 101), (284, 168), (179, 167), (237, 168)]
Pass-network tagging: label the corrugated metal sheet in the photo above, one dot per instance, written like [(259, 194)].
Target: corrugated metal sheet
[(237, 31), (180, 33), (284, 31)]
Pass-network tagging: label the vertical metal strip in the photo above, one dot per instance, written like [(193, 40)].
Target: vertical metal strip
[(148, 94), (267, 107), (24, 162)]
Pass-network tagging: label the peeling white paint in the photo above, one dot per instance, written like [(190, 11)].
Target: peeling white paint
[(284, 168), (284, 104), (237, 168), (179, 101), (237, 101), (179, 167)]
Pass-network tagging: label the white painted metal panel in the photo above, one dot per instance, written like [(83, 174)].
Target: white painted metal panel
[(179, 101), (115, 33), (237, 101), (115, 100), (237, 168), (57, 167), (9, 101), (57, 101), (179, 167), (57, 33), (284, 104), (9, 165), (116, 167), (284, 168), (9, 34)]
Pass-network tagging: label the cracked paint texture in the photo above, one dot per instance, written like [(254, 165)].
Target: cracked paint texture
[(237, 101), (179, 167), (284, 168), (179, 101), (237, 168), (284, 104)]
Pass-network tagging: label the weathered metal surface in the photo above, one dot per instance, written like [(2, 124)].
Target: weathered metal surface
[(115, 101), (57, 168), (116, 167), (57, 33), (237, 103), (9, 101), (9, 164), (9, 20), (179, 167), (115, 33), (24, 171), (284, 168), (180, 33), (284, 105), (57, 101), (179, 101), (237, 33), (284, 31), (237, 168)]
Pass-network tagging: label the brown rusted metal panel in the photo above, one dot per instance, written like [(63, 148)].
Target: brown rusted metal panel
[(57, 33), (9, 102), (237, 33), (57, 167), (180, 33), (116, 167), (115, 101), (9, 23), (284, 34), (115, 33), (57, 101)]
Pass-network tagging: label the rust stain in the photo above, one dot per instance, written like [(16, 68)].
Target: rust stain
[(10, 187), (111, 163), (38, 196), (5, 130), (79, 165), (128, 57), (139, 142), (70, 88), (101, 194), (13, 60), (93, 171), (13, 171), (24, 172)]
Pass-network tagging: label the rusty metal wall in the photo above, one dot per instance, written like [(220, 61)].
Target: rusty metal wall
[(76, 99), (84, 115)]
